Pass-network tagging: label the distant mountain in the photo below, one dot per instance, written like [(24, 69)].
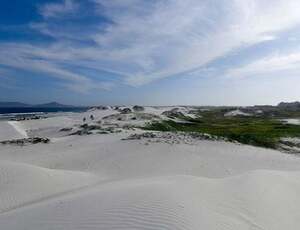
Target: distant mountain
[(53, 105), (23, 105), (13, 104)]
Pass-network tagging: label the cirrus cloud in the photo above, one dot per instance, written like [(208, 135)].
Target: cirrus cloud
[(53, 10), (144, 41)]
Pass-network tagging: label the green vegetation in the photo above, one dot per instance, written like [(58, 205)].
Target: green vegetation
[(259, 131)]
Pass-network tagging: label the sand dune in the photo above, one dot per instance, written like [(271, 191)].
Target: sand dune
[(19, 128), (256, 200), (236, 113), (292, 121), (101, 181), (11, 130), (23, 183)]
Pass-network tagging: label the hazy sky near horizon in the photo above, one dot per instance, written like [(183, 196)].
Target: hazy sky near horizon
[(158, 52)]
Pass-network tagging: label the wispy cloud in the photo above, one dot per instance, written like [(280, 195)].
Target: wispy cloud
[(165, 38), (146, 41), (53, 10), (275, 64), (40, 60)]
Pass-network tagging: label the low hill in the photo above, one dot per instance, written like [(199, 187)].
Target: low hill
[(53, 105)]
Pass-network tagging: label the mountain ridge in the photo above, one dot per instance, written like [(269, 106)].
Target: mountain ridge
[(15, 104)]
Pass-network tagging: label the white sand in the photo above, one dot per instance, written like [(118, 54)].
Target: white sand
[(292, 121), (11, 130), (101, 182), (19, 128), (256, 200), (23, 183), (237, 112)]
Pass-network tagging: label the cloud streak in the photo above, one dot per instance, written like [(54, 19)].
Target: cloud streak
[(175, 37), (30, 58), (54, 10), (146, 41), (275, 64)]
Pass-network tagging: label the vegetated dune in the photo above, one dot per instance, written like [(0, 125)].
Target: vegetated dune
[(255, 200)]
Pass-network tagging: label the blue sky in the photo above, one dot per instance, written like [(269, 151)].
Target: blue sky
[(151, 52)]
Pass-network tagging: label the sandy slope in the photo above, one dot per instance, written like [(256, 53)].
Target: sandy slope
[(136, 185), (112, 158), (23, 183), (256, 200), (11, 130)]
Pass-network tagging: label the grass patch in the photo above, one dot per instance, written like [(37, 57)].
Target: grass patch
[(258, 131)]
